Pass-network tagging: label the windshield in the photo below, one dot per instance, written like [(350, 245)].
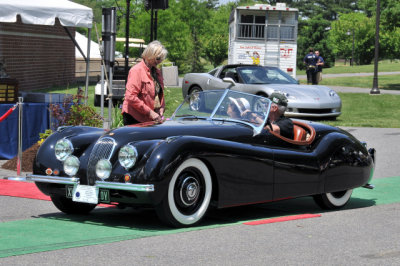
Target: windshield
[(225, 105), (264, 75)]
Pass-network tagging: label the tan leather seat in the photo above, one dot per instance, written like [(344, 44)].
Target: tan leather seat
[(299, 133), (304, 134)]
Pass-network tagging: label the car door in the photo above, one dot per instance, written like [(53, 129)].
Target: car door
[(215, 82), (296, 169)]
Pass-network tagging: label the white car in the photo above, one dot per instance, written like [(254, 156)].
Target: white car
[(312, 101)]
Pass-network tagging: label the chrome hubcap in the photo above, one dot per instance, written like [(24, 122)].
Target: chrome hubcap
[(189, 191)]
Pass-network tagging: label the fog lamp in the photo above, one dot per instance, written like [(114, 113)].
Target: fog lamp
[(71, 165), (103, 169)]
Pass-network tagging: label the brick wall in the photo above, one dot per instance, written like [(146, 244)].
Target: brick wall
[(37, 56)]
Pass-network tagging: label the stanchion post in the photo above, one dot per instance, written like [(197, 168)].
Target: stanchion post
[(19, 158)]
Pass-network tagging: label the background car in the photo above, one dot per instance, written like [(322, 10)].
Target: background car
[(306, 101), (200, 158)]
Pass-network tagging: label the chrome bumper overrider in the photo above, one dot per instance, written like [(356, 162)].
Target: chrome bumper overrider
[(75, 181)]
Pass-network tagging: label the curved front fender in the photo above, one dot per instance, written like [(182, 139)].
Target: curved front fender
[(217, 154)]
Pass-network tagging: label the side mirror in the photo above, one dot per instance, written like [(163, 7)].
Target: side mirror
[(229, 80)]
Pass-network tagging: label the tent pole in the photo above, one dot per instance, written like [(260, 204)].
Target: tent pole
[(75, 42), (87, 65)]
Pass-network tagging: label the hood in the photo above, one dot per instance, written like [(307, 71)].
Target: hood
[(305, 91), (202, 128), (306, 96)]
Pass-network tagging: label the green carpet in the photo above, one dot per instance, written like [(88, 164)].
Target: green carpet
[(105, 225)]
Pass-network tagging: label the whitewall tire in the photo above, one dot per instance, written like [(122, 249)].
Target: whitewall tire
[(189, 194), (334, 200)]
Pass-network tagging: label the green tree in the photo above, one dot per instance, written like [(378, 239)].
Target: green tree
[(313, 33), (328, 9), (216, 38), (340, 36), (389, 25), (97, 7), (176, 36)]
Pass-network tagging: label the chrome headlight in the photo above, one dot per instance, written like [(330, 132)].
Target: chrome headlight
[(103, 169), (332, 93), (127, 156), (63, 149), (71, 165)]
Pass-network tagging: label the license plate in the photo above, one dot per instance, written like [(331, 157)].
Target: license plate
[(86, 194), (104, 195), (69, 190)]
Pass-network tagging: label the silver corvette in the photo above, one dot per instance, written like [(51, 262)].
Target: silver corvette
[(304, 100)]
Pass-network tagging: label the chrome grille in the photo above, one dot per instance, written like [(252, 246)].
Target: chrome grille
[(103, 149)]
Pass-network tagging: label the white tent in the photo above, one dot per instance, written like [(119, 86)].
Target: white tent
[(45, 12), (83, 41)]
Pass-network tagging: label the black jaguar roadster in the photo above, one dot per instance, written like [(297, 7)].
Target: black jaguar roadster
[(201, 157)]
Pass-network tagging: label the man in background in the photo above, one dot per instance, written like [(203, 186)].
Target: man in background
[(310, 60), (320, 64)]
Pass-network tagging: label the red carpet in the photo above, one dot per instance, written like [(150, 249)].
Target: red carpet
[(21, 190), (283, 219), (26, 190)]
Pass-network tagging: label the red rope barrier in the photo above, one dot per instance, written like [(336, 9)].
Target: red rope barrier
[(8, 113)]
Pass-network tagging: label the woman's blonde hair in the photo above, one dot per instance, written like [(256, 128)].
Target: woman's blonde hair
[(153, 50)]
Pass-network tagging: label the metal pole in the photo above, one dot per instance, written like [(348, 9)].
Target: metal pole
[(375, 89), (102, 92), (110, 97), (352, 53), (87, 65), (20, 113), (155, 24), (127, 37), (151, 23)]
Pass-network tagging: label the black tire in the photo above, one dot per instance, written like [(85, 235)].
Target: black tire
[(334, 200), (189, 195), (262, 94), (97, 100), (194, 101), (70, 207), (195, 89)]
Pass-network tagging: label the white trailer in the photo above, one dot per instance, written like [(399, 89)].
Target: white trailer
[(265, 35)]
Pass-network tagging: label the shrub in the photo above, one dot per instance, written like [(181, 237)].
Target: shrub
[(44, 136), (71, 112)]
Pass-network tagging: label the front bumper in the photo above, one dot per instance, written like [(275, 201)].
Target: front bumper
[(296, 113), (75, 181)]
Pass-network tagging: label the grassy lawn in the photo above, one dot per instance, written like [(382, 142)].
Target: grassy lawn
[(173, 98), (386, 82), (364, 110), (383, 66)]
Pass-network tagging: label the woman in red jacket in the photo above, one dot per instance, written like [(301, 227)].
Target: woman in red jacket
[(144, 95)]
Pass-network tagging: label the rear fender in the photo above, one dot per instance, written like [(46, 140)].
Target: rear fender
[(345, 163)]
